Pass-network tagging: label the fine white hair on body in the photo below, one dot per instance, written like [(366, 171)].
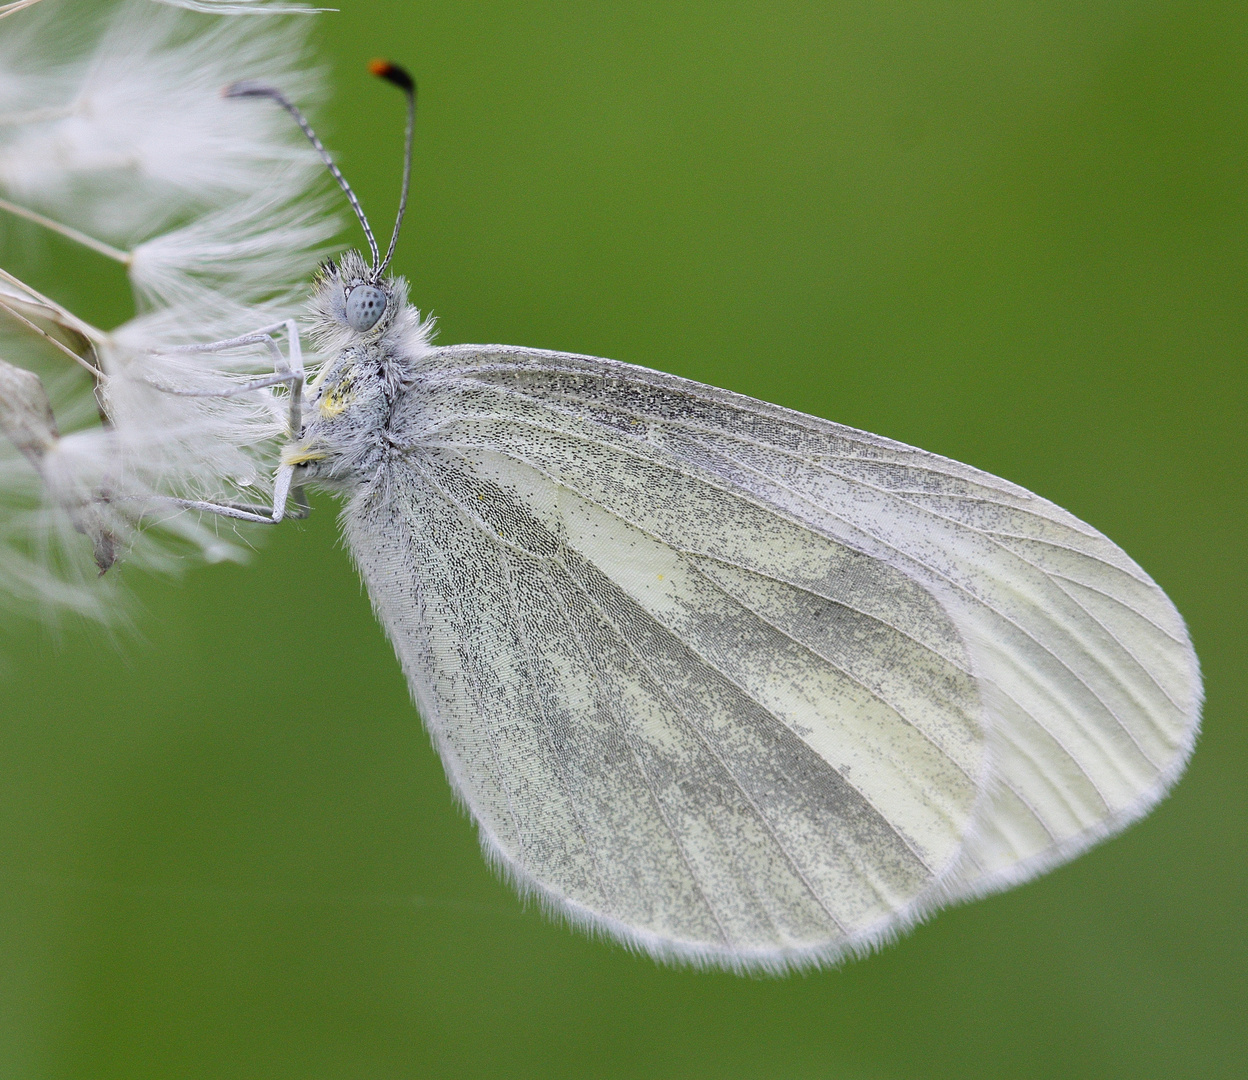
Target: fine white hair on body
[(403, 329), (217, 208)]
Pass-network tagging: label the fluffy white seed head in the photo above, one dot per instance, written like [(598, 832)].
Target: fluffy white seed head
[(131, 130), (118, 127)]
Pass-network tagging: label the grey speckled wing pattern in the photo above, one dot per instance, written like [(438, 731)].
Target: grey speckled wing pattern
[(747, 687)]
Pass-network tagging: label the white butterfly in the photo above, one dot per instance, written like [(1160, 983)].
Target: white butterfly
[(732, 684)]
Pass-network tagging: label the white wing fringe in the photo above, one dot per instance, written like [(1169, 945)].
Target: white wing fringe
[(217, 205)]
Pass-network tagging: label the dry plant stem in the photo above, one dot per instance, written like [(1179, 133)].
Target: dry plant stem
[(14, 314), (69, 232), (62, 315), (16, 6)]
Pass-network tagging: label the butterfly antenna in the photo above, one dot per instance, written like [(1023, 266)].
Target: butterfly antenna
[(247, 88), (392, 73)]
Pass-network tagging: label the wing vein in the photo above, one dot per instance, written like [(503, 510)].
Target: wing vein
[(697, 733), (493, 736), (837, 667), (840, 431), (483, 527), (962, 589), (1121, 603), (1139, 663), (641, 767), (735, 491), (751, 698), (458, 446), (530, 666)]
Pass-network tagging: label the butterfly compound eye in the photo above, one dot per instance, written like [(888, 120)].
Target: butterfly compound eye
[(365, 305)]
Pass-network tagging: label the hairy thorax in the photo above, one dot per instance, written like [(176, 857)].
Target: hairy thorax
[(350, 430), (359, 413)]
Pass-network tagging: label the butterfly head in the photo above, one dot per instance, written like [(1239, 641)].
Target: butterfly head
[(372, 345), (351, 304), (352, 295)]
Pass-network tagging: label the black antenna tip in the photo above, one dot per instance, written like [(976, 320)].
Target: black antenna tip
[(392, 73)]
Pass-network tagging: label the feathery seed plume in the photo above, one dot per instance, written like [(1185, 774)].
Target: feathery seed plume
[(115, 133)]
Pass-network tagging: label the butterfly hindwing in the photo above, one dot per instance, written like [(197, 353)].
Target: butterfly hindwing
[(1091, 686), (660, 734)]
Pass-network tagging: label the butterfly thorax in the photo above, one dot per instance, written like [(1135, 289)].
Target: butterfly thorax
[(349, 428)]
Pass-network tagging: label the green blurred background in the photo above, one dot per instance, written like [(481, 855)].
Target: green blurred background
[(1015, 233)]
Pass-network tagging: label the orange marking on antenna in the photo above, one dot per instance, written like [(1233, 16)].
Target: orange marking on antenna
[(392, 73)]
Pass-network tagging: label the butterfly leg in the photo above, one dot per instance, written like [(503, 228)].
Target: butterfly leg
[(287, 369), (260, 514)]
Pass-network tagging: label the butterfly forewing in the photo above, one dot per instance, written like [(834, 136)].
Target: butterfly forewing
[(1083, 665), (694, 722)]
